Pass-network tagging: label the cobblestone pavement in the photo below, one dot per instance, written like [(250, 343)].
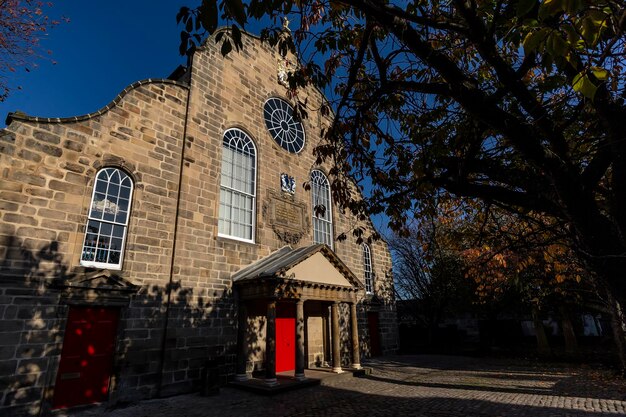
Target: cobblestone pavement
[(423, 385)]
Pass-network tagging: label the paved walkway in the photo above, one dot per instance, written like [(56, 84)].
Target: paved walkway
[(423, 385)]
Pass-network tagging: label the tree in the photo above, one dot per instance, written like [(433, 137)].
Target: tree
[(22, 25), (531, 257), (519, 103), (428, 275), (510, 263)]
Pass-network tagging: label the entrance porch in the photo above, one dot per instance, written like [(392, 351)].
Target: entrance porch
[(288, 295)]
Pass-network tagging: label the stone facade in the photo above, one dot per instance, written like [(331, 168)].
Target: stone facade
[(174, 293)]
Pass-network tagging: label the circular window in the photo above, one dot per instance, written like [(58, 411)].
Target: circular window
[(286, 130)]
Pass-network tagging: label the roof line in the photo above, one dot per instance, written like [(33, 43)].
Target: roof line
[(24, 117)]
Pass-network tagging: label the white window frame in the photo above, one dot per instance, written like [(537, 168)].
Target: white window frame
[(89, 251), (319, 183), (368, 271), (241, 142)]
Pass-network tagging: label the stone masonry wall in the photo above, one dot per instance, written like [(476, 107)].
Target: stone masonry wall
[(47, 170)]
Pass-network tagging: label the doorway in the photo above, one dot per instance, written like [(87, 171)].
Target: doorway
[(374, 331), (285, 337), (87, 356)]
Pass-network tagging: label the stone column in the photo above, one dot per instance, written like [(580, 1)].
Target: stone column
[(300, 340), (270, 344), (242, 351), (334, 317), (354, 327), (325, 337)]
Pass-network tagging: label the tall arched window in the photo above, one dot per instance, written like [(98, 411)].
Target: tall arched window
[(238, 186), (322, 209), (107, 221), (368, 276)]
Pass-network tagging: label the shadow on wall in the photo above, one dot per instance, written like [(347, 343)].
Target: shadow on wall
[(385, 288), (383, 304), (38, 291)]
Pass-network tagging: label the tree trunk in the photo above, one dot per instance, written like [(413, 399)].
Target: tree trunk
[(543, 347), (571, 343), (618, 324)]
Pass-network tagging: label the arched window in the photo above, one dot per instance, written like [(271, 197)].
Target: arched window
[(107, 221), (322, 209), (238, 186), (367, 269)]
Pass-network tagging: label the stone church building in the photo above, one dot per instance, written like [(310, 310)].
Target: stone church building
[(168, 238)]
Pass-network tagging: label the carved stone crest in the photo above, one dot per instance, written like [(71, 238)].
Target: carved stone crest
[(285, 66), (286, 216), (287, 184)]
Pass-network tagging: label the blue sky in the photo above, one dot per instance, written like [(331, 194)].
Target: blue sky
[(105, 46)]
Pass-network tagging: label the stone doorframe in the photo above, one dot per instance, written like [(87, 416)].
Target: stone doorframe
[(276, 289)]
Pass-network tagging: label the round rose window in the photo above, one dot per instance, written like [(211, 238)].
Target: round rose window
[(286, 130)]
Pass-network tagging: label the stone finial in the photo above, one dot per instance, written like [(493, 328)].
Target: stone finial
[(286, 24)]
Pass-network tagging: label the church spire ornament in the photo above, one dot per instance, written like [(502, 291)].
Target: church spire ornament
[(286, 24)]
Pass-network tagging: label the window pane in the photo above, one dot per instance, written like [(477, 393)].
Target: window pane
[(101, 186), (120, 217), (125, 193), (93, 227), (237, 185), (114, 257), (97, 206), (321, 208), (114, 190), (108, 216), (367, 268), (103, 241), (225, 211), (102, 255), (91, 240), (118, 231), (116, 244), (122, 204), (110, 203)]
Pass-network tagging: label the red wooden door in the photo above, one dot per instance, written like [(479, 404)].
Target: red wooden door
[(87, 356), (285, 337), (372, 325)]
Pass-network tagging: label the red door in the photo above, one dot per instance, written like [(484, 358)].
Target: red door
[(285, 337), (87, 356), (372, 325)]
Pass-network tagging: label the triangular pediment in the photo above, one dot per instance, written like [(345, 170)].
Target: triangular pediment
[(316, 264), (103, 280), (317, 268)]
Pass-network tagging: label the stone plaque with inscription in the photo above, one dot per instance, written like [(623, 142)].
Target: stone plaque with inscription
[(286, 216)]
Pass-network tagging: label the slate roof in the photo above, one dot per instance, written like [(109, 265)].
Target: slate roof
[(279, 262)]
